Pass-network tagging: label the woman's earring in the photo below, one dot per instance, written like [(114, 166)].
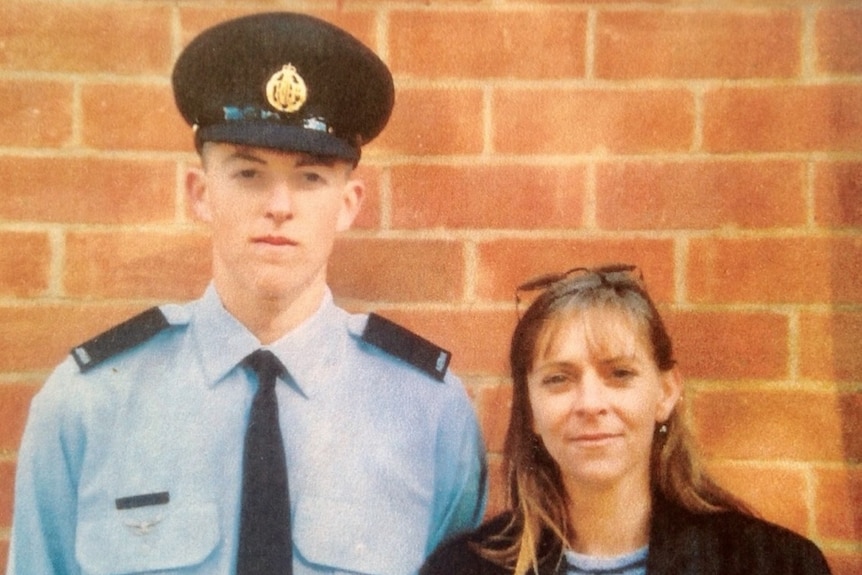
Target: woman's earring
[(662, 429)]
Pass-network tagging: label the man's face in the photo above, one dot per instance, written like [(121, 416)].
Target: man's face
[(273, 217)]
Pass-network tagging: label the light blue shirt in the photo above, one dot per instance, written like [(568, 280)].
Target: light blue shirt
[(384, 461), (633, 563)]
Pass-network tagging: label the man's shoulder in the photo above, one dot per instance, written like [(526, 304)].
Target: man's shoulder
[(400, 344), (134, 333)]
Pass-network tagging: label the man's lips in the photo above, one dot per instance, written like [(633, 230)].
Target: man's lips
[(274, 241)]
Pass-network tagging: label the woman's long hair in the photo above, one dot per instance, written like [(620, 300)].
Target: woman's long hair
[(536, 493)]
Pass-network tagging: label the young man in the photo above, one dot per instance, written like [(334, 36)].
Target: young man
[(259, 429)]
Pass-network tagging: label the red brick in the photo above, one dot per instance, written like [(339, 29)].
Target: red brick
[(829, 346), (838, 194), (434, 121), (37, 337), (730, 345), (7, 488), (505, 264), (25, 258), (700, 195), (839, 503), (397, 270), (775, 270), (769, 425), (512, 44), (570, 121), (478, 339), (844, 563), (133, 117), (132, 265), (697, 44), (508, 196), (493, 405), (837, 38), (86, 190), (35, 114), (194, 19), (4, 554), (777, 494), (14, 403), (85, 37), (789, 118)]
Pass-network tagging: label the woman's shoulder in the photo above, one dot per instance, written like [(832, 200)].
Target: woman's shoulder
[(459, 555), (728, 538)]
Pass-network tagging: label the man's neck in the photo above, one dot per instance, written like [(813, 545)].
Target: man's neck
[(270, 317)]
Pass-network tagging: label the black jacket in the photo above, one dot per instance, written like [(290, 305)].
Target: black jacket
[(681, 543)]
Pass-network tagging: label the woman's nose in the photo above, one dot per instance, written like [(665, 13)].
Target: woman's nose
[(592, 397)]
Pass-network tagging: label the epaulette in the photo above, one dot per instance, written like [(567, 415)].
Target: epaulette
[(406, 345), (120, 338)]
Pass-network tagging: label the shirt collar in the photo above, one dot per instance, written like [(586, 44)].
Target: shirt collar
[(308, 352)]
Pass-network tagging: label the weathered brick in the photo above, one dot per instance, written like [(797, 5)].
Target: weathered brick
[(698, 44), (123, 38), (844, 562), (839, 503), (837, 33), (434, 121), (508, 196), (133, 117), (838, 194), (571, 121), (783, 118), (170, 266), (7, 487), (775, 270), (14, 403), (769, 425), (493, 405), (777, 494), (25, 259), (700, 195), (511, 44), (37, 337), (397, 270), (829, 346), (86, 190), (730, 345), (35, 114), (507, 263)]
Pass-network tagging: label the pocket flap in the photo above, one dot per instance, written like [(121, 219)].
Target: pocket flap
[(377, 537), (148, 539)]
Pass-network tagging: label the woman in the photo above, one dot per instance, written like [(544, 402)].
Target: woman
[(602, 476)]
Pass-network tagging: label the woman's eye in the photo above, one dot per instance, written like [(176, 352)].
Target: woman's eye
[(622, 374), (554, 379)]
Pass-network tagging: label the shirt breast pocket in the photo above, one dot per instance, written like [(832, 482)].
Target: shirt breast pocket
[(375, 537), (155, 538)]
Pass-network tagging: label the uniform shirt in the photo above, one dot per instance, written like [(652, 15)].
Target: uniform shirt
[(384, 462)]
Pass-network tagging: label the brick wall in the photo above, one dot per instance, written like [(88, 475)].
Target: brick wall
[(716, 144)]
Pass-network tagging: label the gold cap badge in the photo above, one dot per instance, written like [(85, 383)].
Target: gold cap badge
[(286, 90)]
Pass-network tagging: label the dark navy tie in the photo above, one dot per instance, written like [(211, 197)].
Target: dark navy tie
[(264, 536)]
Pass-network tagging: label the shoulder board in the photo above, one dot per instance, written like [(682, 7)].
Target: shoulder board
[(406, 345), (122, 337)]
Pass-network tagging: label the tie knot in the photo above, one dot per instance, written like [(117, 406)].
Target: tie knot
[(265, 365)]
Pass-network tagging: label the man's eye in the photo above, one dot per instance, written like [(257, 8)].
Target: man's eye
[(313, 178), (247, 174)]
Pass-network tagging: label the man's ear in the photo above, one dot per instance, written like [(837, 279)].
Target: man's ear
[(196, 194), (351, 202), (671, 391)]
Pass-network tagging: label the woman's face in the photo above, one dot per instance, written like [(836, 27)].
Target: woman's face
[(596, 395)]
